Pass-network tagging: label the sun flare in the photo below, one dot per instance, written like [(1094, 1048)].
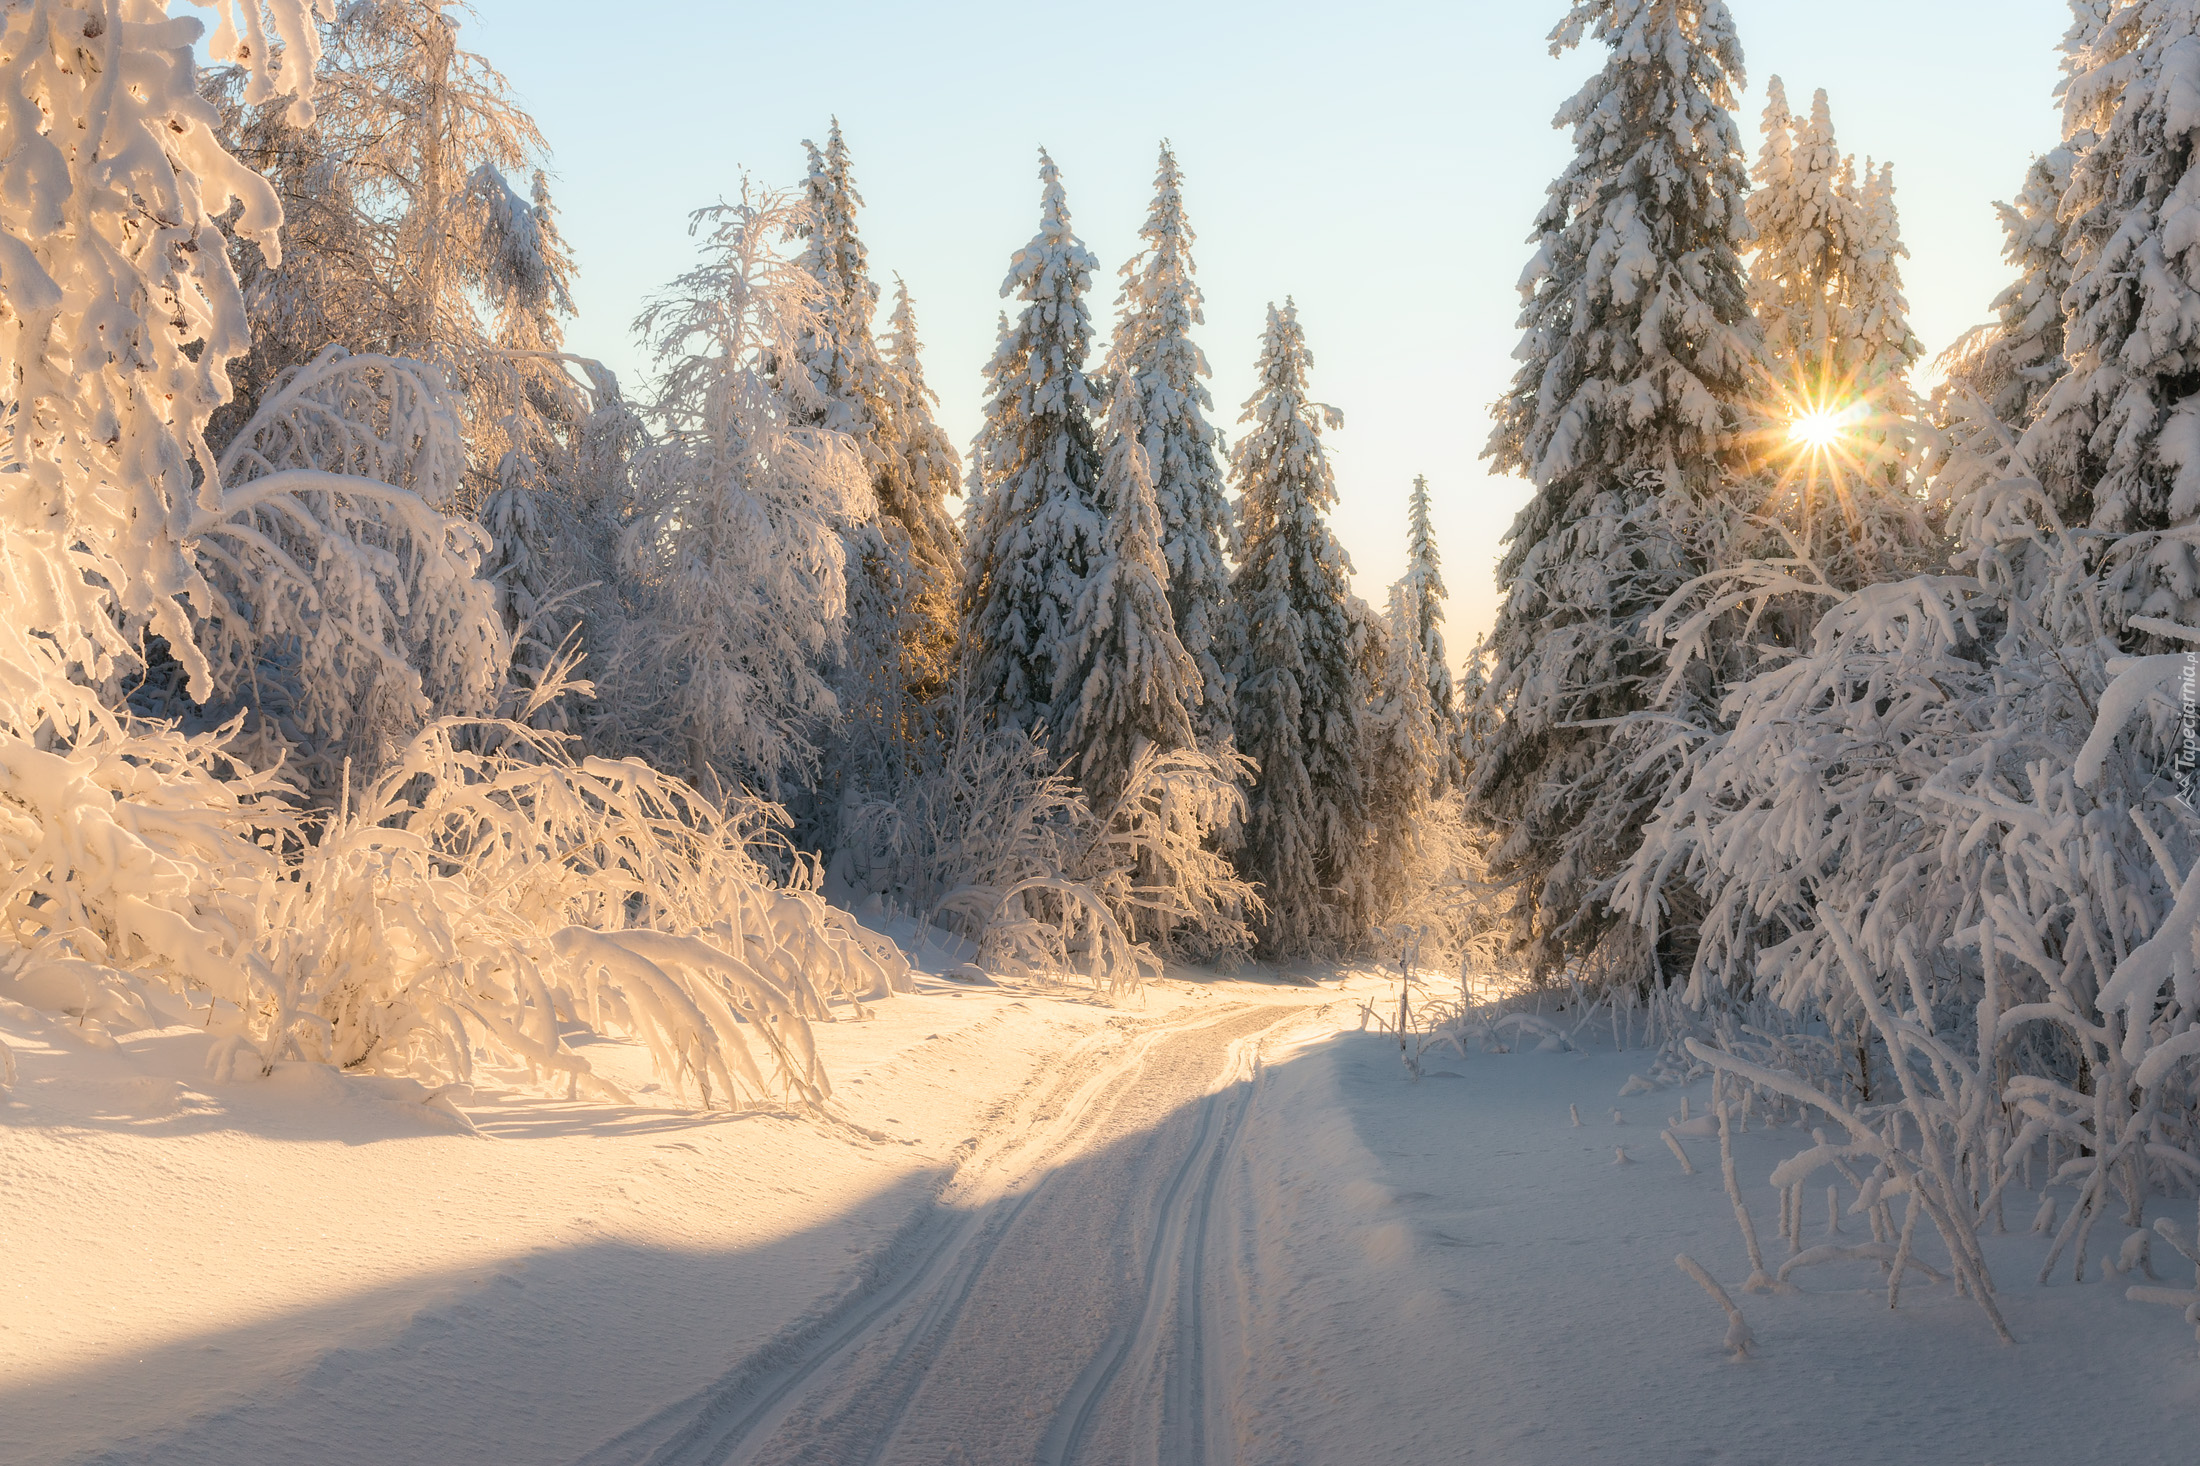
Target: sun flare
[(1819, 428)]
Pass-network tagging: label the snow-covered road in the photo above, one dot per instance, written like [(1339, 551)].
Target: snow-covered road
[(1071, 1298), (1223, 1229)]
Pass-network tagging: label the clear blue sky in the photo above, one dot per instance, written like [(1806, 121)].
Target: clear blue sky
[(1381, 162)]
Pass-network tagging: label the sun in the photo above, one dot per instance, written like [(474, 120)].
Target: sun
[(1819, 429)]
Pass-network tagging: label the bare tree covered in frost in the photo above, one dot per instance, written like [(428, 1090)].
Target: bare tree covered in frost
[(1638, 361), (1299, 693), (737, 556), (1154, 356), (1032, 528), (486, 890), (404, 235)]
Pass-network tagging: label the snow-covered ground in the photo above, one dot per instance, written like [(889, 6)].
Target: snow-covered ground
[(1218, 1226)]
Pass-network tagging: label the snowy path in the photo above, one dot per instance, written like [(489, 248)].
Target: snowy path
[(1061, 1304)]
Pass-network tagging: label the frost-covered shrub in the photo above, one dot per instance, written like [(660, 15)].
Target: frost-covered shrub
[(347, 608), (988, 835), (474, 901)]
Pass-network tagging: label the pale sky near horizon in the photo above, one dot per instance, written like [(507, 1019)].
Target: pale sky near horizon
[(1382, 165)]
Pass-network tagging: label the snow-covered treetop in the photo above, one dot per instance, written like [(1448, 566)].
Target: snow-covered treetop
[(1807, 226), (2118, 442), (1878, 315), (1154, 356), (1423, 594), (1033, 530), (1637, 327), (915, 487), (1052, 274), (1282, 469), (840, 352)]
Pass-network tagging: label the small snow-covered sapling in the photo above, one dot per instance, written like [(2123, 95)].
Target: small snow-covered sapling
[(1739, 1340), (1672, 1143)]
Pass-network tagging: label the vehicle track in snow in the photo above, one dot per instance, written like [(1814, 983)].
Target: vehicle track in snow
[(1049, 1309)]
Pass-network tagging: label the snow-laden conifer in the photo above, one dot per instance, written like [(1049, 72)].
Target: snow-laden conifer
[(1876, 330), (1124, 682), (1423, 605), (1032, 527), (1300, 699), (1638, 361), (1407, 750), (1154, 356), (920, 470), (2117, 445), (2007, 366), (1806, 222), (1129, 690)]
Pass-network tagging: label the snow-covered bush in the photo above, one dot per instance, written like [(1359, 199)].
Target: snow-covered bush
[(474, 901), (988, 835), (347, 608)]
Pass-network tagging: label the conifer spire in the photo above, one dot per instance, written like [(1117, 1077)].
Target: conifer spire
[(1033, 523)]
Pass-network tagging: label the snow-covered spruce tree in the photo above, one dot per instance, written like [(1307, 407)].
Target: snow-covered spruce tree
[(1424, 593), (1123, 681), (1637, 364), (1300, 697), (1806, 224), (1826, 289), (2117, 445), (738, 557), (1130, 736), (1407, 749), (1953, 827), (1032, 527), (1877, 326), (1154, 356), (1996, 378), (920, 471)]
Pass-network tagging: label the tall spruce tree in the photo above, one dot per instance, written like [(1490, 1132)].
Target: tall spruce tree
[(1154, 357), (1300, 698), (1408, 748), (1637, 364), (1033, 523), (1876, 325), (1423, 594)]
